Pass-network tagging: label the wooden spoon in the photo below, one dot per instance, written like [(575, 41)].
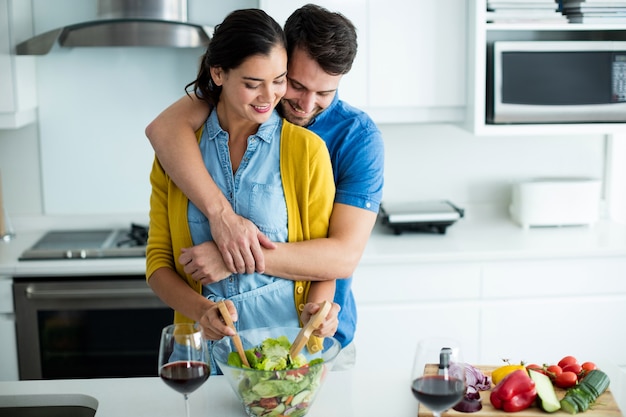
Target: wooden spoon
[(229, 322), (307, 330)]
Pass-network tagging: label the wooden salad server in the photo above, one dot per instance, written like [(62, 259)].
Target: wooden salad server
[(236, 339), (308, 329)]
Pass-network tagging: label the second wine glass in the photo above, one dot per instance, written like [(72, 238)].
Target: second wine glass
[(183, 359), (438, 377)]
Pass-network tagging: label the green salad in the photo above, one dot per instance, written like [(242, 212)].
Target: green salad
[(279, 385)]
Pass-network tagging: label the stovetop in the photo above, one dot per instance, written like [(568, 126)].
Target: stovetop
[(89, 244)]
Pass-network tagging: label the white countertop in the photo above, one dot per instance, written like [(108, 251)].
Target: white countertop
[(345, 394), (483, 234), (355, 393)]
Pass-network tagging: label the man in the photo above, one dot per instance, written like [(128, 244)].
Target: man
[(321, 47)]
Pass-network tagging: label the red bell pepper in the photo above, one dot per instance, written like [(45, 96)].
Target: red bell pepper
[(515, 392)]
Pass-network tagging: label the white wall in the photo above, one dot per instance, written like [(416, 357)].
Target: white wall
[(446, 162), (88, 153)]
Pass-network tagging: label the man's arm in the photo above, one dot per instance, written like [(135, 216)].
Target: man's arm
[(336, 256), (321, 259), (172, 135)]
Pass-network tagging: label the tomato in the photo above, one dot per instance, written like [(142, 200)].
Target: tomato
[(573, 367), (589, 366), (554, 371), (536, 367), (566, 380), (567, 360), (299, 372)]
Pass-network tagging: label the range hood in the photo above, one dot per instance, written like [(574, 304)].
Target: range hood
[(160, 23)]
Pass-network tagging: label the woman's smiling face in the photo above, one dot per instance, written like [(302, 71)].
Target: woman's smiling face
[(253, 89)]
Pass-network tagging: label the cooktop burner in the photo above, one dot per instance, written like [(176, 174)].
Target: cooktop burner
[(90, 244)]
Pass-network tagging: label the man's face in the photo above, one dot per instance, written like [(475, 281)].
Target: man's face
[(309, 89)]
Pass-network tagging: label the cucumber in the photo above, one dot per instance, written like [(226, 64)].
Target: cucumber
[(578, 398), (546, 396), (568, 405), (596, 381)]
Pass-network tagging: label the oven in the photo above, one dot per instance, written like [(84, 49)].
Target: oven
[(89, 327)]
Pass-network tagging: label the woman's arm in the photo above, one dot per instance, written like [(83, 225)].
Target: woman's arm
[(177, 294), (172, 135)]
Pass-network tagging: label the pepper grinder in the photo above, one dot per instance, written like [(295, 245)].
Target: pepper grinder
[(444, 362), (6, 230)]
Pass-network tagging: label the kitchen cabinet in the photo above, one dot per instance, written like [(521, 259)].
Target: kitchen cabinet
[(481, 36), (410, 63), (531, 310), (8, 342), (416, 60), (557, 306), (18, 99), (400, 303)]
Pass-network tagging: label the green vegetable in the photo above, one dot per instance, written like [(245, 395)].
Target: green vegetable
[(579, 398), (277, 384), (546, 396), (271, 355)]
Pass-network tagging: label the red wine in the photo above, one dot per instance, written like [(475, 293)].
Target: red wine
[(185, 376), (438, 393)]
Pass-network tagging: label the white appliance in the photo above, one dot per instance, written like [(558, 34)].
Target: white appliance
[(556, 202)]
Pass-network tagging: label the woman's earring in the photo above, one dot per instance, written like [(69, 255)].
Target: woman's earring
[(211, 85)]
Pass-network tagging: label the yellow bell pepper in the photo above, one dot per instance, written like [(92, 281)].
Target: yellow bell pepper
[(498, 374)]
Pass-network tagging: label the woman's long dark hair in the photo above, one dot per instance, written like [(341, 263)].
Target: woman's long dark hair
[(242, 34)]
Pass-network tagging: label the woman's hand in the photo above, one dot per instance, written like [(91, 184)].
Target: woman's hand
[(204, 263), (330, 323), (213, 325)]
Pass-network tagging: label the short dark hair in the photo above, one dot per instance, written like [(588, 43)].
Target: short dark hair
[(242, 34), (327, 37)]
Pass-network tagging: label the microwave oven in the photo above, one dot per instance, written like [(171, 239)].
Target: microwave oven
[(556, 82)]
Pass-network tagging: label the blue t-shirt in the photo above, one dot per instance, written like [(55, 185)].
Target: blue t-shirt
[(357, 155)]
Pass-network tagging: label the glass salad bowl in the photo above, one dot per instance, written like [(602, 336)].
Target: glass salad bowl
[(270, 393)]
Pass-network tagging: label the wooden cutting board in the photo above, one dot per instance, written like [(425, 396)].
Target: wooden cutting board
[(605, 406)]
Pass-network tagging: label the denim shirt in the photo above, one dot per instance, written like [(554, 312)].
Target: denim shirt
[(255, 192)]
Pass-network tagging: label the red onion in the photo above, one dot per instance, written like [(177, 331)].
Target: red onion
[(475, 381)]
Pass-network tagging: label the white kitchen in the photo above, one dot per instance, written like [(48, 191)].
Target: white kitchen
[(74, 156)]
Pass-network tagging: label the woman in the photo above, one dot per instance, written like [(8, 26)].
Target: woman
[(274, 173)]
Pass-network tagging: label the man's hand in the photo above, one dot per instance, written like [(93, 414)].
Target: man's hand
[(239, 242), (330, 323), (204, 263)]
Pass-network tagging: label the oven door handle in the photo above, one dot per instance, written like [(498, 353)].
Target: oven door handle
[(32, 292)]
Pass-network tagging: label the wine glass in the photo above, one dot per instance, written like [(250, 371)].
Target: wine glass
[(438, 378), (184, 363)]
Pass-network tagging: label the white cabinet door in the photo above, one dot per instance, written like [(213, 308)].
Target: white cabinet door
[(410, 66), (417, 53), (399, 304), (542, 310), (7, 98), (17, 83)]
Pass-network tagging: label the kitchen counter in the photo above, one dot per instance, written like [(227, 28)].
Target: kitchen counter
[(483, 234), (344, 394), (381, 392)]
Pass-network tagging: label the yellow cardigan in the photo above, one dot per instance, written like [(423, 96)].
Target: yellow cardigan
[(309, 189)]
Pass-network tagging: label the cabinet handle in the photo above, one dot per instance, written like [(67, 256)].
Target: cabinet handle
[(82, 293)]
